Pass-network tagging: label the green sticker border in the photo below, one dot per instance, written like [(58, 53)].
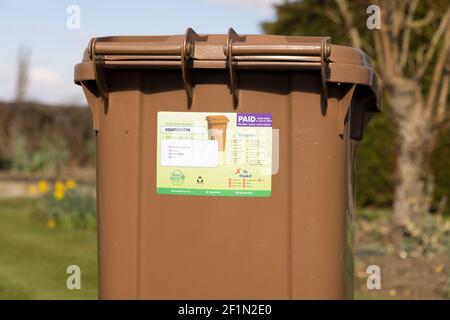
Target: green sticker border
[(214, 192)]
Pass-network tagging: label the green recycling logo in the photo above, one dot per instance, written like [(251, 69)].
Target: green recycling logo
[(177, 177)]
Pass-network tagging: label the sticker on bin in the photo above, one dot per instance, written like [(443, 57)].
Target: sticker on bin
[(214, 154), (188, 153)]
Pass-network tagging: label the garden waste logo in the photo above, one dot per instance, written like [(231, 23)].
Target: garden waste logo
[(177, 177)]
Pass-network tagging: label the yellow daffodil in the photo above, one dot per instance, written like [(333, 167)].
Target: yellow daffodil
[(32, 189), (42, 186), (51, 223), (70, 184), (59, 194), (60, 189), (59, 185)]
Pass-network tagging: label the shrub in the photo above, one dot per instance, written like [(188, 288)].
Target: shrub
[(375, 163), (35, 123), (49, 157), (440, 164), (64, 205), (20, 157)]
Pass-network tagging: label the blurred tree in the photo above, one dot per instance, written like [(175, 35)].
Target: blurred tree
[(411, 54), (23, 65)]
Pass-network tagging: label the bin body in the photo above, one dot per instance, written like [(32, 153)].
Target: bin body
[(295, 242)]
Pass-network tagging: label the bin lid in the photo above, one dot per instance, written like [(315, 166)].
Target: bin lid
[(230, 51)]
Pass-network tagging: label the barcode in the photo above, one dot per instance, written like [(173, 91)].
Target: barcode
[(177, 129)]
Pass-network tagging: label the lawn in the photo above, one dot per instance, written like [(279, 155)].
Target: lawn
[(34, 258)]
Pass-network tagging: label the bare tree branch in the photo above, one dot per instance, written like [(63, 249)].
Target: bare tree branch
[(380, 59), (442, 107), (438, 73), (417, 24), (344, 9), (443, 26), (388, 55), (396, 15), (388, 40), (333, 16), (398, 12), (407, 33), (23, 65)]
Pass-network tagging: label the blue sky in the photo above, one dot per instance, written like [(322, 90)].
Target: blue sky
[(41, 26)]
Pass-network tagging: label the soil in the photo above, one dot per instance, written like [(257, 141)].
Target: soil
[(423, 277)]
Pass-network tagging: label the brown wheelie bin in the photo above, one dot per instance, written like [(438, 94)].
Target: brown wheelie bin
[(266, 215), (217, 126)]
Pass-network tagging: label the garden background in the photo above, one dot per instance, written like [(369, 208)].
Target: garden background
[(47, 159)]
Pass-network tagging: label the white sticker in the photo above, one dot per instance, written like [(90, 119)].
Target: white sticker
[(189, 153)]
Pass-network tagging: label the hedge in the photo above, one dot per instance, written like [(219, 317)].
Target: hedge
[(70, 128)]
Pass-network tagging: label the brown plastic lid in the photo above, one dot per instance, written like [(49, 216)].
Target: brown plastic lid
[(339, 64)]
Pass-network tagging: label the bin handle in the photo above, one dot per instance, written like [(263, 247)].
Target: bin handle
[(190, 37), (232, 49), (232, 36)]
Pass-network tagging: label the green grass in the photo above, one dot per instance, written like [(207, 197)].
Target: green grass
[(34, 258)]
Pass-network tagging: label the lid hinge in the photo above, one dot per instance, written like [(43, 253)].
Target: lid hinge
[(190, 37), (325, 51), (232, 36)]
